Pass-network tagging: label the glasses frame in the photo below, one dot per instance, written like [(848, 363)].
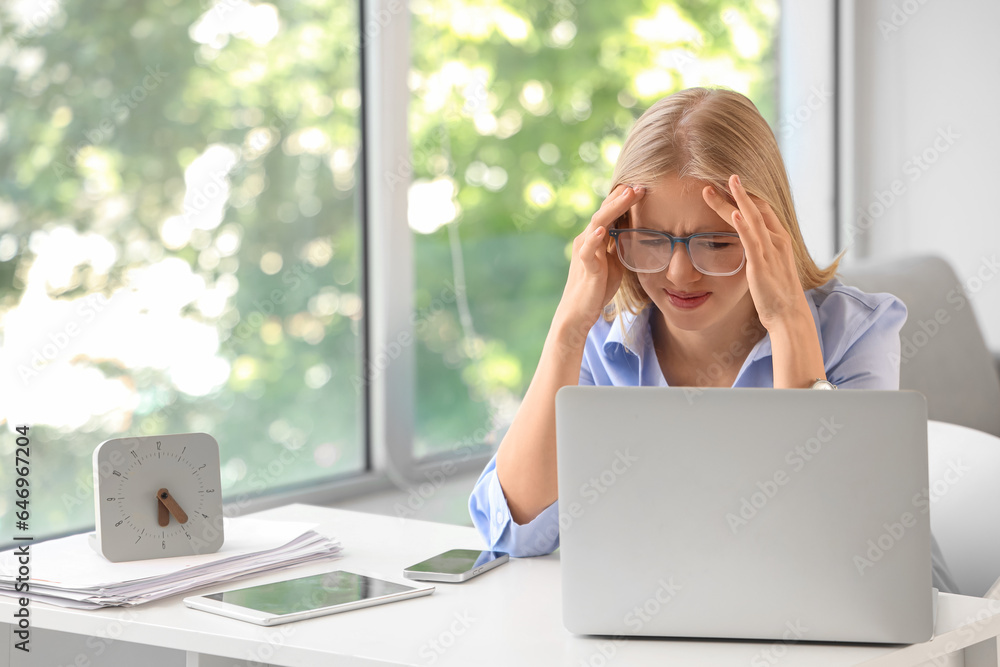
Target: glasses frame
[(674, 240)]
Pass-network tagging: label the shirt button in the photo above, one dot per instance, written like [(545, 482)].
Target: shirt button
[(499, 516)]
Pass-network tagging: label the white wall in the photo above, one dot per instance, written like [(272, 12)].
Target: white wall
[(926, 122)]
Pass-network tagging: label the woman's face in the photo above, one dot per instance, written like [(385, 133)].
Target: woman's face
[(689, 299)]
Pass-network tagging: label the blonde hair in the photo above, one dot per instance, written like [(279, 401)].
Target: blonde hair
[(708, 134)]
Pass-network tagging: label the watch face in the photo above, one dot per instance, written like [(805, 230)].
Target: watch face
[(158, 496)]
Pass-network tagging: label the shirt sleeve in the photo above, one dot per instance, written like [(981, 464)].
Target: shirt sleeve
[(586, 375), (491, 517), (870, 357)]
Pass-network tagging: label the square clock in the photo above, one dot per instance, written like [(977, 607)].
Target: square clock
[(157, 496)]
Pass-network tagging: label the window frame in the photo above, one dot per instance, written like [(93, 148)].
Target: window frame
[(387, 280), (809, 39)]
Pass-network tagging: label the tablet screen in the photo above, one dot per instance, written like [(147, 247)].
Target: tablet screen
[(321, 590)]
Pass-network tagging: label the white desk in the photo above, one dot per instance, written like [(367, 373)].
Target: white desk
[(510, 616)]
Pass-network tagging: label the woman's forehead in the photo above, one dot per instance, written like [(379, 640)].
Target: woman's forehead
[(676, 206)]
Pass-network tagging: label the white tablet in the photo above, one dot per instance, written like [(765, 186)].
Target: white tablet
[(305, 597)]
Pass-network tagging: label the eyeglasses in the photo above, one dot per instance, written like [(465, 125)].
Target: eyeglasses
[(649, 251)]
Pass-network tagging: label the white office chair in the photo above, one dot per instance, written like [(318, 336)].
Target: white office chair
[(964, 469), (944, 356), (948, 362)]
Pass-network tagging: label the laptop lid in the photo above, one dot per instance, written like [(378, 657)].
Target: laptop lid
[(793, 515)]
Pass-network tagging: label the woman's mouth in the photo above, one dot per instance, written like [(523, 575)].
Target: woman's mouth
[(687, 300)]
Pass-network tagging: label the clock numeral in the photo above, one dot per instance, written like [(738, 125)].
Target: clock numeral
[(157, 445), (119, 523), (187, 535), (115, 472), (163, 544), (132, 451), (209, 490), (111, 500)]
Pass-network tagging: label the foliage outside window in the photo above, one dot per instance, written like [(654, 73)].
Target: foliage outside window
[(518, 113), (179, 239)]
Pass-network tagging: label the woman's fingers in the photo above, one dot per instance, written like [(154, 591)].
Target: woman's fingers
[(718, 203), (731, 215), (770, 219), (752, 218), (617, 190), (747, 207), (592, 245), (760, 221), (748, 220), (756, 208), (615, 207)]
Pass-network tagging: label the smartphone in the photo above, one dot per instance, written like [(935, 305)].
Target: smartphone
[(305, 597), (456, 565)]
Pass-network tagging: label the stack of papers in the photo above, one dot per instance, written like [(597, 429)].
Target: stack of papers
[(69, 573)]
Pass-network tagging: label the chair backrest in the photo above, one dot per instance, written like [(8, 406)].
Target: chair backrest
[(943, 353)]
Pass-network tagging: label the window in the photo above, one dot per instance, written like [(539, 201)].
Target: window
[(518, 113), (179, 239), (180, 231)]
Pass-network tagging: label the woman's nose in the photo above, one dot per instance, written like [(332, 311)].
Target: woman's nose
[(680, 270)]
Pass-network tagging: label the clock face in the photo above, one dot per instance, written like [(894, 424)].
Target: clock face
[(158, 496)]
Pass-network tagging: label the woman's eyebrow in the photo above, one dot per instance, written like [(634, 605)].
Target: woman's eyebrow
[(703, 229)]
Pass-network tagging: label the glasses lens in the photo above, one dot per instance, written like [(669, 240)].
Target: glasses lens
[(642, 251), (718, 255)]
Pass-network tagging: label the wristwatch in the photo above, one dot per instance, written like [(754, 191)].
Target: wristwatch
[(820, 383)]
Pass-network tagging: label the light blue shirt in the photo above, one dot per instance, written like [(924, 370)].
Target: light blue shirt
[(858, 336)]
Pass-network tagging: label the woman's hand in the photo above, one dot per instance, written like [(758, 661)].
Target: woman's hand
[(771, 273), (595, 271)]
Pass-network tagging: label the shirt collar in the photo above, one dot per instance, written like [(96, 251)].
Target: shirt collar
[(636, 332)]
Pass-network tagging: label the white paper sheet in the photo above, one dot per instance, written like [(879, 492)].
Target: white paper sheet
[(69, 562), (69, 573)]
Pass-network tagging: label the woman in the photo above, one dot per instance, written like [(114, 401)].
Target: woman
[(717, 289)]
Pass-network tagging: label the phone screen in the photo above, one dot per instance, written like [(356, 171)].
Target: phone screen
[(315, 592), (456, 561)]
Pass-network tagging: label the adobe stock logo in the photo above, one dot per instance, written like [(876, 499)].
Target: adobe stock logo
[(894, 532), (636, 620), (797, 457), (437, 646), (793, 120)]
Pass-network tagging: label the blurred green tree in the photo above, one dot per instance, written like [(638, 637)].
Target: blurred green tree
[(521, 108)]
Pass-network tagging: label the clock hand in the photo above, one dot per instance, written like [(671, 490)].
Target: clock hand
[(172, 505), (162, 514)]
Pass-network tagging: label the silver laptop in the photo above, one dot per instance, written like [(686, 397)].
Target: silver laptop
[(791, 515)]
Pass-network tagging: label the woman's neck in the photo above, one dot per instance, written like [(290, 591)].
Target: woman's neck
[(708, 357)]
